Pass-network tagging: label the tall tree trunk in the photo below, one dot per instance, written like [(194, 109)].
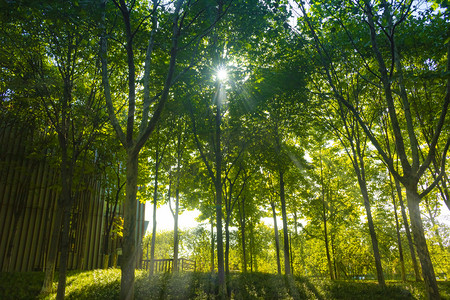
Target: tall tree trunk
[(153, 242), (131, 141), (50, 262), (324, 219), (359, 167), (180, 149), (291, 252), (408, 231), (252, 249), (397, 229), (64, 254), (106, 235), (419, 237), (327, 246), (287, 264), (373, 236), (175, 226), (158, 159), (128, 262), (277, 239), (244, 254), (220, 254), (228, 208), (333, 251), (399, 242), (219, 213), (411, 172), (66, 194), (227, 245), (212, 246)]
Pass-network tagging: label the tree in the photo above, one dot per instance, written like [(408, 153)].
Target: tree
[(186, 25), (160, 149), (278, 109), (355, 144), (65, 87), (383, 22)]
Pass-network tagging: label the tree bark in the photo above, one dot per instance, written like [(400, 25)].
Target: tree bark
[(408, 232), (219, 193), (64, 254), (212, 245), (277, 239), (67, 167), (242, 221), (175, 223), (373, 236), (419, 237), (227, 245), (325, 233), (128, 261), (220, 255), (50, 262), (399, 240), (155, 206), (287, 264), (228, 209), (324, 219), (252, 250)]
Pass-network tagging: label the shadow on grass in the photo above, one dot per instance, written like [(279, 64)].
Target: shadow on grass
[(175, 286), (364, 290), (105, 284), (23, 285)]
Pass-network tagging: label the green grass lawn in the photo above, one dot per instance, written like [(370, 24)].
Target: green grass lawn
[(105, 284)]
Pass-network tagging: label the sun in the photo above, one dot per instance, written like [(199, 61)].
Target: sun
[(222, 74)]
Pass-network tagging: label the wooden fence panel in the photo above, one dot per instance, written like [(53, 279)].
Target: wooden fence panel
[(28, 197), (166, 265)]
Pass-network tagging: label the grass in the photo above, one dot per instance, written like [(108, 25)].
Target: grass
[(105, 284)]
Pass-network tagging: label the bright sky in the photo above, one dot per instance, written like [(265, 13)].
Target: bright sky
[(188, 220), (164, 218)]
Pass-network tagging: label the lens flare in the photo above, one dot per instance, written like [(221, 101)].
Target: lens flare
[(222, 74)]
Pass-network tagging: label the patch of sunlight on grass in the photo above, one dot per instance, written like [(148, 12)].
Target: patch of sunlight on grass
[(105, 285), (94, 284)]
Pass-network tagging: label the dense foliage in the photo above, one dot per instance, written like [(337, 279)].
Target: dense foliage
[(332, 121)]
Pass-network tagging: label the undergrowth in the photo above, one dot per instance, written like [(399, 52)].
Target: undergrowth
[(105, 284)]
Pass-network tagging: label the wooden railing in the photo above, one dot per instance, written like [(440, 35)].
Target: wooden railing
[(166, 265)]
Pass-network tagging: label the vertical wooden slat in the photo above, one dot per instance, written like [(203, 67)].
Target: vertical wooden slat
[(24, 211), (25, 240), (34, 171), (44, 232), (26, 207), (39, 200), (82, 243), (50, 216), (98, 214), (101, 214), (8, 215), (90, 236), (34, 180), (10, 197)]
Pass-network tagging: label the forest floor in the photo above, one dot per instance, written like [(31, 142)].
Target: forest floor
[(105, 284)]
